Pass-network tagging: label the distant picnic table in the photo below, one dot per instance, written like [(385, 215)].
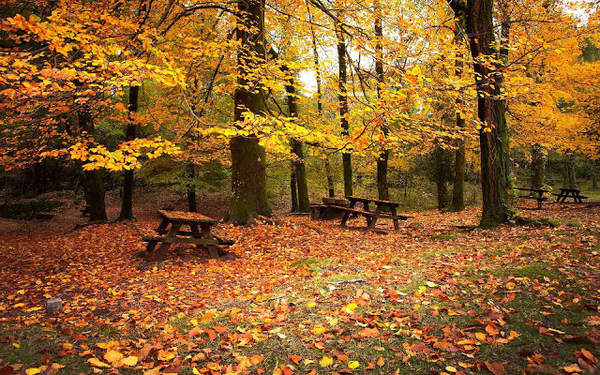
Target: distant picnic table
[(372, 216), (537, 194), (199, 233), (570, 193)]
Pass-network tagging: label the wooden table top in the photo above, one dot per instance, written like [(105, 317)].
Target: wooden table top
[(186, 217), (369, 200)]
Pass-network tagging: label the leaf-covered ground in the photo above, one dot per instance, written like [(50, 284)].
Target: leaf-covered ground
[(307, 297)]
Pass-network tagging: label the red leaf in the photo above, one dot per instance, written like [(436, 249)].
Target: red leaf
[(296, 359)]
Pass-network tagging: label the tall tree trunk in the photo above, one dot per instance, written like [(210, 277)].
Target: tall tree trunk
[(570, 172), (382, 160), (460, 158), (441, 175), (538, 167), (92, 181), (297, 150), (328, 172), (127, 199), (248, 157), (191, 187), (293, 187), (330, 186), (493, 136), (343, 104)]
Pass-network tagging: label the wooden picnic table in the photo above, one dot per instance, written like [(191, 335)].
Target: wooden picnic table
[(537, 194), (199, 233), (570, 193), (372, 216)]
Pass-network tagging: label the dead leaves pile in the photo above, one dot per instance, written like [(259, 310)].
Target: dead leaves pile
[(429, 294)]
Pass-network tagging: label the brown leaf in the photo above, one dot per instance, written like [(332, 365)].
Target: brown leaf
[(495, 368), (6, 370)]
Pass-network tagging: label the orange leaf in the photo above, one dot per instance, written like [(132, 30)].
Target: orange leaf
[(369, 332), (572, 369), (211, 334), (296, 359), (380, 362)]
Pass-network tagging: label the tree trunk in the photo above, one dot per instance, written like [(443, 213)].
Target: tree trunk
[(382, 161), (248, 163), (293, 187), (343, 103), (570, 175), (92, 181), (493, 135), (127, 199), (299, 171), (191, 188), (460, 157), (328, 173), (538, 167), (441, 175)]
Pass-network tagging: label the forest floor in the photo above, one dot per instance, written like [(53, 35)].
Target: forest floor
[(306, 297)]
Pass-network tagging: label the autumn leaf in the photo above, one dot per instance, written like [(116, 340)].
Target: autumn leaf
[(113, 357), (353, 364), (380, 362), (296, 359), (211, 334), (572, 369), (130, 361), (495, 368), (326, 361), (95, 362)]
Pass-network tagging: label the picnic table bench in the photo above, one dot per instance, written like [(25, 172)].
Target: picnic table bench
[(536, 194), (372, 216), (570, 193), (199, 233)]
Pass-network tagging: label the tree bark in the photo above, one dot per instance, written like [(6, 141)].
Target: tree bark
[(299, 166), (191, 188), (460, 157), (293, 187), (128, 178), (343, 104), (538, 167), (92, 181), (328, 173), (570, 172), (493, 135), (382, 160), (248, 157)]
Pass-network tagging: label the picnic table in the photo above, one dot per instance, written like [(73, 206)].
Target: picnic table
[(327, 210), (199, 233), (372, 216), (570, 193), (537, 194)]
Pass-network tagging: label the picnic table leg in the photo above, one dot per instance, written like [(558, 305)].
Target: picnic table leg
[(213, 250), (166, 243), (369, 219), (346, 215), (395, 218), (162, 227)]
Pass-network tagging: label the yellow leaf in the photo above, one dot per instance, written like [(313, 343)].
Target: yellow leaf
[(431, 284), (113, 357), (350, 308), (326, 361), (480, 336), (95, 362), (353, 364), (130, 361), (32, 371)]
